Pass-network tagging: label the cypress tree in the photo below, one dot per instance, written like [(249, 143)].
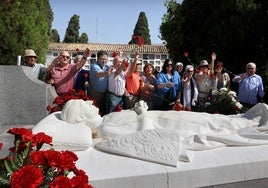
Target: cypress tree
[(54, 36), (142, 29), (72, 31), (84, 38)]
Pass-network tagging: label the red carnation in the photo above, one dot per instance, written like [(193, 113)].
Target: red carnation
[(211, 75), (61, 181), (24, 134), (58, 100), (177, 107), (187, 108), (235, 107), (28, 176), (126, 65), (118, 108), (139, 39), (48, 108), (114, 54), (80, 180), (37, 158), (72, 91), (41, 138), (85, 74)]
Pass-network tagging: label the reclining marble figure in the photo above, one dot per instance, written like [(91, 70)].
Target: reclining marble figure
[(158, 136)]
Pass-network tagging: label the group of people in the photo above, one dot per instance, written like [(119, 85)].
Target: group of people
[(121, 84), (199, 83)]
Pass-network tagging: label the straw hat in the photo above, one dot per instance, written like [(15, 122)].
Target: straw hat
[(203, 63), (29, 52)]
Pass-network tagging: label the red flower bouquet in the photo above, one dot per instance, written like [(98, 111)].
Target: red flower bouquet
[(28, 166), (139, 41), (61, 100)]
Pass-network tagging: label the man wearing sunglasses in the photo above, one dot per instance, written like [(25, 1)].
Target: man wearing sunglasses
[(38, 69), (61, 73)]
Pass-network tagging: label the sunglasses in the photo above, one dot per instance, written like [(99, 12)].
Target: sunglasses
[(32, 57), (63, 56), (190, 71), (169, 65)]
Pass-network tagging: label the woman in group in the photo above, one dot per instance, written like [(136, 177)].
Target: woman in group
[(205, 81), (222, 79), (168, 87), (147, 87), (189, 91)]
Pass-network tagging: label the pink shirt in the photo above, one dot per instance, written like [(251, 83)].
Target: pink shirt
[(63, 77)]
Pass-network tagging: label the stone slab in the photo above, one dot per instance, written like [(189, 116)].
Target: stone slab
[(222, 167), (24, 99)]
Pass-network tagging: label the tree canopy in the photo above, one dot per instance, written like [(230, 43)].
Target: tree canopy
[(236, 30), (21, 29)]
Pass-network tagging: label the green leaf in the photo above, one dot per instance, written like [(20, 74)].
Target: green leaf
[(8, 167), (23, 157), (4, 181)]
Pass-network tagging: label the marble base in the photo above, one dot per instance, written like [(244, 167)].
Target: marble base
[(234, 167), (221, 167)]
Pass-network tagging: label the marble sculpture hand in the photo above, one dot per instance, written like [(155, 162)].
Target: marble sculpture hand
[(140, 107)]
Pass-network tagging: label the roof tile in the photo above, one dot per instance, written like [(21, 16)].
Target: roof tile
[(72, 47)]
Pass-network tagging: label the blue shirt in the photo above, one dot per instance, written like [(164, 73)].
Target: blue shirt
[(99, 84), (249, 88), (163, 78)]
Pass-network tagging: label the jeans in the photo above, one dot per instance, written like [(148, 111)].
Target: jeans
[(113, 101)]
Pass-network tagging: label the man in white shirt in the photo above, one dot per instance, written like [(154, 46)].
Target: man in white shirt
[(116, 84)]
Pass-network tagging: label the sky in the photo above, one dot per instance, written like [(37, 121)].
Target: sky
[(107, 21)]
